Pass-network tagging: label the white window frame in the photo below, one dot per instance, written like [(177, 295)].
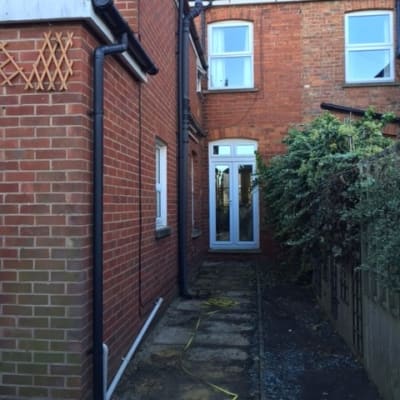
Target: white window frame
[(192, 189), (224, 55), (161, 184), (232, 154), (387, 45)]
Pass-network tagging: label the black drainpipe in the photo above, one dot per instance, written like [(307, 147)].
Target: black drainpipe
[(98, 111), (183, 128), (127, 42)]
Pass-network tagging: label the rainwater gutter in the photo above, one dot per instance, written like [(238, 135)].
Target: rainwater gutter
[(126, 42), (185, 20)]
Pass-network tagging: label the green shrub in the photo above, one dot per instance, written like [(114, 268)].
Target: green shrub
[(310, 193)]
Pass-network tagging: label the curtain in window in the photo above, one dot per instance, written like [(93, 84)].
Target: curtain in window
[(247, 73), (218, 64)]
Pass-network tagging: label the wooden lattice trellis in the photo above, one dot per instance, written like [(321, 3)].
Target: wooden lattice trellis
[(7, 64), (52, 67), (51, 70)]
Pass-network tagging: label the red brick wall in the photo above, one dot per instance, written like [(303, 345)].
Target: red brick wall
[(139, 267), (198, 233), (46, 198), (129, 10), (298, 63), (45, 226), (323, 78)]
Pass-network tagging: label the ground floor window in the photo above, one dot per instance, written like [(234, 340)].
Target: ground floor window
[(161, 184)]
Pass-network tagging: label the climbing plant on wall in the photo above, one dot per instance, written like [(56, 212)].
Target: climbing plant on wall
[(310, 192), (378, 212)]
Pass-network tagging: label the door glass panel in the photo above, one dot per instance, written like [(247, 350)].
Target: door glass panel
[(246, 231), (221, 150), (222, 203), (245, 150)]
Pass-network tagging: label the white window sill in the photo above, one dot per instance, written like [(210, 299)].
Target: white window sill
[(233, 90), (163, 231), (369, 84)]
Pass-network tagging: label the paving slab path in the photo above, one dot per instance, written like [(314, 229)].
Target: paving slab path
[(244, 336), (204, 348)]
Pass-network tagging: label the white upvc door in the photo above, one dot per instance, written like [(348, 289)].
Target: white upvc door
[(234, 206)]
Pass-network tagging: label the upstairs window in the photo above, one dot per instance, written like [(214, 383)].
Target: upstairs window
[(230, 55), (369, 47)]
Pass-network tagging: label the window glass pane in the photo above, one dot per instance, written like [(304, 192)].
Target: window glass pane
[(161, 185), (369, 65), (221, 150), (245, 150), (222, 203), (230, 39), (158, 201), (157, 165), (231, 72), (368, 29), (246, 231)]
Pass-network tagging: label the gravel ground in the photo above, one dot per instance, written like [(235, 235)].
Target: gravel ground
[(305, 359)]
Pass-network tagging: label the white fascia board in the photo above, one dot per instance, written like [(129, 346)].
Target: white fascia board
[(247, 2), (37, 11)]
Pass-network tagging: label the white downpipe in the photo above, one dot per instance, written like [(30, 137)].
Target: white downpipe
[(131, 351), (105, 369)]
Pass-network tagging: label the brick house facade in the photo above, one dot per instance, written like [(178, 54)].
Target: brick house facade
[(46, 154), (46, 198), (299, 63)]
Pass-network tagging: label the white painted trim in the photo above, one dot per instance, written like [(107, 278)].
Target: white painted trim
[(233, 161), (388, 45), (38, 11), (244, 54), (161, 186), (242, 2)]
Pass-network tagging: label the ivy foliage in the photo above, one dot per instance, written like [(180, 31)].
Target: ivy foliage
[(378, 212), (311, 192)]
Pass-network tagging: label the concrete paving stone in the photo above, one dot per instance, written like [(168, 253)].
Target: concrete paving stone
[(167, 356), (220, 371), (204, 282), (195, 392), (226, 339), (221, 326), (172, 335), (189, 305), (179, 318), (230, 317), (240, 294), (216, 354)]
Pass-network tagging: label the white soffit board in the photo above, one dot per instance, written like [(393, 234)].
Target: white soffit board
[(242, 2), (36, 11)]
